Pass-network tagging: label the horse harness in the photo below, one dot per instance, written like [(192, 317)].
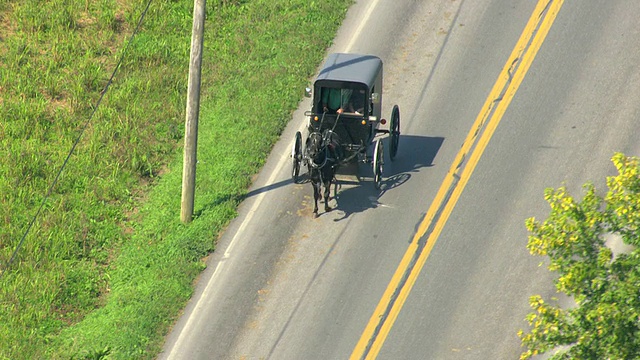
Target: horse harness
[(324, 146)]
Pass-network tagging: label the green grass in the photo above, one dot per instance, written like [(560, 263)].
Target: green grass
[(107, 267)]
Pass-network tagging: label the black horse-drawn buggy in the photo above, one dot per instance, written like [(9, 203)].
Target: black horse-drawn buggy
[(344, 122)]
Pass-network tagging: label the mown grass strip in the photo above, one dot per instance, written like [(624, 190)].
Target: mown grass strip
[(109, 266)]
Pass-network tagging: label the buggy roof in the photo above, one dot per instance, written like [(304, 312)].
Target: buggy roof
[(351, 68)]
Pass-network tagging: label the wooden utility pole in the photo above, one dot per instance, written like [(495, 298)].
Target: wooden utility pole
[(193, 110)]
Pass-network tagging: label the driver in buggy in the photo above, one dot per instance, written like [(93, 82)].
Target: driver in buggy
[(337, 101)]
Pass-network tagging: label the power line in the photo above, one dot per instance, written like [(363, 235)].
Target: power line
[(84, 127)]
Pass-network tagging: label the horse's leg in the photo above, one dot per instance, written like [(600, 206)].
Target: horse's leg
[(327, 192), (316, 197)]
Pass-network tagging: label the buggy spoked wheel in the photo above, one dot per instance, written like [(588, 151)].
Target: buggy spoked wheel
[(394, 131), (296, 157), (378, 163)]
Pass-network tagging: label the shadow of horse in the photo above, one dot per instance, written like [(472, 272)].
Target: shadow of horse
[(414, 153)]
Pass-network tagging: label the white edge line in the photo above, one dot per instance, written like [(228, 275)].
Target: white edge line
[(365, 19), (255, 206), (208, 289)]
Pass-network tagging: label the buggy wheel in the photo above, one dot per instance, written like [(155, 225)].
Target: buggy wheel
[(296, 157), (395, 132), (378, 162)]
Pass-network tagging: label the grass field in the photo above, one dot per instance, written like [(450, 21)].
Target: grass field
[(107, 266)]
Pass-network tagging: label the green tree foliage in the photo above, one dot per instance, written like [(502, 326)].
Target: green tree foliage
[(605, 323)]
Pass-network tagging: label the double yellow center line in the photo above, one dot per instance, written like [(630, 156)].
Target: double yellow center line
[(456, 179)]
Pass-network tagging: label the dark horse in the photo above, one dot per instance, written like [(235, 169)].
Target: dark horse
[(322, 167)]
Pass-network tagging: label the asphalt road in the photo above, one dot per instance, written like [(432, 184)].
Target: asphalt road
[(282, 285)]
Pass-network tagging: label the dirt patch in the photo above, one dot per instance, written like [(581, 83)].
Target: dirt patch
[(7, 29)]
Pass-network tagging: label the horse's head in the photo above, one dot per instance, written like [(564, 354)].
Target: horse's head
[(315, 146)]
